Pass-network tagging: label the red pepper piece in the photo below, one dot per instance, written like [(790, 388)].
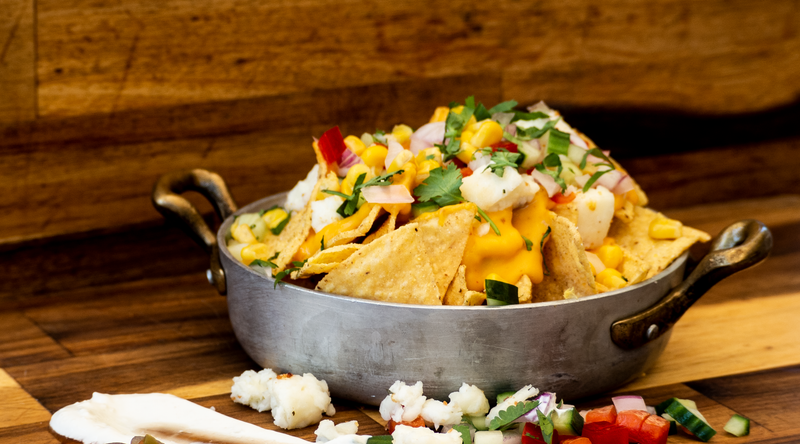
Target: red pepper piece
[(632, 420), (605, 433), (654, 430), (532, 434), (604, 414), (574, 440), (417, 422), (561, 199), (466, 172), (510, 146), (331, 145)]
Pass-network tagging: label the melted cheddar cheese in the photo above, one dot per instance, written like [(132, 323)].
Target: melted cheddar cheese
[(313, 241)]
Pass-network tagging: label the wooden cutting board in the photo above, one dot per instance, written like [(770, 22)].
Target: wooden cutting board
[(736, 351)]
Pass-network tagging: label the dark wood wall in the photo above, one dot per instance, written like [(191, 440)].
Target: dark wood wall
[(100, 97)]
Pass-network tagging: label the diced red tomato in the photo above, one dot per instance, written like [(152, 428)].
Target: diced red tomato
[(459, 163), (604, 414), (466, 172), (331, 145), (654, 430), (562, 199), (417, 422), (510, 146), (576, 440), (605, 433), (632, 420), (532, 434)]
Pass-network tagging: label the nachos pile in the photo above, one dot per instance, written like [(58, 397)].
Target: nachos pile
[(479, 206)]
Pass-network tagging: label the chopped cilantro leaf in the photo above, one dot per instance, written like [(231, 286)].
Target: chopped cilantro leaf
[(278, 228), (454, 125), (506, 417), (503, 159), (528, 243), (322, 244), (274, 256), (503, 107), (519, 115), (263, 263), (491, 223), (552, 160), (296, 266), (593, 179), (380, 136), (463, 429), (481, 113), (263, 212), (594, 152), (535, 133), (546, 424), (541, 250), (350, 204)]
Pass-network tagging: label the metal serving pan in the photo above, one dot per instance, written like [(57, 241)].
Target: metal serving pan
[(575, 348)]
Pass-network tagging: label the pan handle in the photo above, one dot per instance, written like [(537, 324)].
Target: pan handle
[(168, 201), (741, 245)]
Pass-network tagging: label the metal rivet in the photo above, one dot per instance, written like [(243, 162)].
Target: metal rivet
[(210, 276), (652, 331)]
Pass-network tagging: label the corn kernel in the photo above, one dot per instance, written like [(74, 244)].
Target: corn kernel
[(489, 134), (274, 217), (619, 201), (355, 144), (632, 196), (403, 158), (244, 234), (374, 155), (466, 153), (440, 114), (610, 255), (424, 170), (611, 278), (663, 228), (466, 136), (609, 241), (494, 277), (255, 251), (428, 152), (323, 195), (403, 135), (350, 180)]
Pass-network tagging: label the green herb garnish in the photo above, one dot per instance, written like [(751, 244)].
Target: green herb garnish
[(503, 158), (593, 179), (380, 136), (552, 160), (558, 142), (322, 244), (453, 127), (535, 133), (546, 424), (528, 243), (463, 429), (506, 417), (519, 115), (443, 187), (263, 263), (503, 107), (597, 153), (296, 266), (350, 204)]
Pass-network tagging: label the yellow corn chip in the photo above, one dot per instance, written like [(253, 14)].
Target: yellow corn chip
[(323, 165), (393, 268), (387, 227), (626, 213), (524, 289), (634, 236), (473, 298), (444, 234), (326, 260), (362, 229), (566, 260), (634, 269), (457, 291)]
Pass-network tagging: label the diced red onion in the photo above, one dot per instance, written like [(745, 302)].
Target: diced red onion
[(623, 403), (479, 162), (577, 140), (596, 262), (584, 412), (394, 149), (651, 410), (390, 194), (547, 182), (511, 129), (426, 136), (547, 402), (624, 185), (609, 179), (541, 106), (504, 119), (348, 160)]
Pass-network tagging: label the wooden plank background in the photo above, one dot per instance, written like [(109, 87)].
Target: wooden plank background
[(99, 98)]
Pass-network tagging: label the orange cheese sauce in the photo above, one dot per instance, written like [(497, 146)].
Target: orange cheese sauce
[(506, 255), (313, 241), (443, 212)]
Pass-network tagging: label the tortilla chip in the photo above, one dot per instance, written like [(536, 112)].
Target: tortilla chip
[(444, 234), (634, 269), (566, 260), (457, 291), (323, 165), (362, 229), (473, 298), (326, 260), (634, 236), (524, 292), (387, 227), (626, 213), (393, 268)]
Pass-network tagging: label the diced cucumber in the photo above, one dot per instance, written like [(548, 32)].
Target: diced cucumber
[(500, 293), (673, 425), (380, 439), (502, 396), (738, 425), (688, 417), (463, 429), (257, 225), (489, 437), (567, 421), (479, 422)]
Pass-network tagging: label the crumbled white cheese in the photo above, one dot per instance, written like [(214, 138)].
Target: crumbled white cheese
[(323, 212), (404, 402), (422, 435), (521, 395), (339, 433), (471, 400), (296, 401), (493, 193), (440, 413), (595, 213), (297, 199)]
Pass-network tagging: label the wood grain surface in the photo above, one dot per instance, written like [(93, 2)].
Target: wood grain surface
[(736, 351), (17, 62)]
